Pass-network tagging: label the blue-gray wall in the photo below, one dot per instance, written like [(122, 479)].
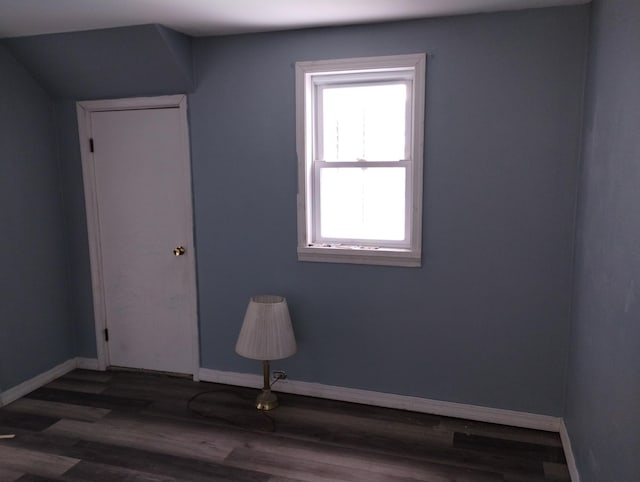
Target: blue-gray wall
[(603, 400), (116, 62), (485, 320), (35, 331), (79, 280)]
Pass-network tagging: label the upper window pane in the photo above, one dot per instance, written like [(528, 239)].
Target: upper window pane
[(364, 122)]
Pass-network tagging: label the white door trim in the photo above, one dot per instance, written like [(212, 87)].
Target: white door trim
[(84, 110)]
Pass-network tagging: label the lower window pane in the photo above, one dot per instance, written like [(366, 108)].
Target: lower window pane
[(362, 203)]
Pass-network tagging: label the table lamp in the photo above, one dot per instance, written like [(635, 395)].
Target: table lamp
[(266, 335)]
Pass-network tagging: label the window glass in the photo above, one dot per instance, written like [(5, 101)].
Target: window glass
[(364, 122), (362, 203)]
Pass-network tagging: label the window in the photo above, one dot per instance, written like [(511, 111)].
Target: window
[(360, 129)]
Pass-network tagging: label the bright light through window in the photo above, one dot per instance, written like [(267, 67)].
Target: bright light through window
[(360, 126), (364, 122), (361, 203)]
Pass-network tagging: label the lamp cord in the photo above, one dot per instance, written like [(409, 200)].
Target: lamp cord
[(275, 380), (272, 422)]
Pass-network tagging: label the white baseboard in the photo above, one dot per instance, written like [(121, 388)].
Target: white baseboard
[(42, 379), (87, 363), (568, 453), (388, 400), (36, 382)]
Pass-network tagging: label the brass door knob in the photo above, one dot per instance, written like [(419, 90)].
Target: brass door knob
[(179, 251)]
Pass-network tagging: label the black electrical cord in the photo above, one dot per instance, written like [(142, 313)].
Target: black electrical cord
[(225, 420)]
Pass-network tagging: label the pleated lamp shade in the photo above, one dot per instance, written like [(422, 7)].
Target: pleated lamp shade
[(266, 332)]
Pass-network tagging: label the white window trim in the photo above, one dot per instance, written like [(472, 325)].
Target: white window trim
[(336, 253)]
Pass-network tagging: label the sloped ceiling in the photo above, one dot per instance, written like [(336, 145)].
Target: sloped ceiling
[(108, 63)]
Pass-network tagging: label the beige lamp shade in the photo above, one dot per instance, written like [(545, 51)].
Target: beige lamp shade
[(266, 332)]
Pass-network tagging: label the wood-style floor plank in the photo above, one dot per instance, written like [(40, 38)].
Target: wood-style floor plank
[(181, 468), (370, 427), (35, 478), (57, 410), (471, 427), (75, 385), (342, 463), (509, 447), (36, 463), (97, 400), (556, 471), (134, 426), (160, 437), (88, 375), (111, 473), (26, 421), (306, 469), (9, 475)]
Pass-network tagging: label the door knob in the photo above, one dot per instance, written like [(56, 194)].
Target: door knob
[(179, 251)]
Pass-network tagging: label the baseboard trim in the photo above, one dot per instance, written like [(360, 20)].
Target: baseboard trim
[(36, 382), (87, 363), (388, 400), (568, 453)]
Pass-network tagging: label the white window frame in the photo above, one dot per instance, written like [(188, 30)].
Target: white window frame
[(311, 78)]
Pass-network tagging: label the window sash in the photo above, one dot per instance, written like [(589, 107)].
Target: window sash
[(319, 84), (388, 78), (316, 237)]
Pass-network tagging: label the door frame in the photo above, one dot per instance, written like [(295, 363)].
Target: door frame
[(84, 109)]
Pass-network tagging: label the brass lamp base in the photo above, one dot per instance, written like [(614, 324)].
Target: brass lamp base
[(267, 400)]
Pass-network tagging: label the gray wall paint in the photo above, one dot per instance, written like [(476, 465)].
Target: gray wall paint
[(485, 320), (603, 401), (81, 303), (108, 63), (180, 47), (35, 331)]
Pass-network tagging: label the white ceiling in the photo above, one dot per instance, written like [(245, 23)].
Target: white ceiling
[(221, 17)]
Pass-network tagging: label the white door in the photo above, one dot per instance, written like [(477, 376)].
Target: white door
[(144, 235)]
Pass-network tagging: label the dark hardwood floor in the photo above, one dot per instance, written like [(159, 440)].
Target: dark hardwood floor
[(127, 426)]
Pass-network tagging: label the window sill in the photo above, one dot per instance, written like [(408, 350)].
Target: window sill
[(355, 255)]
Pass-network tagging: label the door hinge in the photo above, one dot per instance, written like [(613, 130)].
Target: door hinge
[(91, 144), (106, 334)]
